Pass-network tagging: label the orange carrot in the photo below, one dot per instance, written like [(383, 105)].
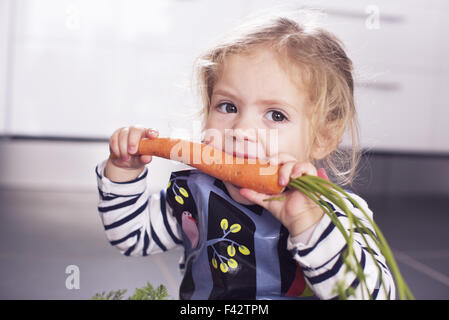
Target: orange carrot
[(246, 173)]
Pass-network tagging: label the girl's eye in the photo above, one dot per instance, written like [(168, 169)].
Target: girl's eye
[(276, 116), (227, 107)]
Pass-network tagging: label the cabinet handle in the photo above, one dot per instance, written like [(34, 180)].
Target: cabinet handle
[(379, 85)]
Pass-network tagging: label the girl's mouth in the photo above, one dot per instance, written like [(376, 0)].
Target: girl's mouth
[(240, 155), (243, 155)]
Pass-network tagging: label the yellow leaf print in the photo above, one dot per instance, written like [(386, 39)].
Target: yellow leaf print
[(169, 184), (214, 263), (232, 263), (231, 250), (224, 224), (224, 267), (179, 199), (184, 192), (235, 228), (244, 250)]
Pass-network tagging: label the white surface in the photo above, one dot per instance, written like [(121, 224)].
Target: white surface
[(4, 32)]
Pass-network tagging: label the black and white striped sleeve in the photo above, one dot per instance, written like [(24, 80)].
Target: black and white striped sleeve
[(136, 222), (321, 259)]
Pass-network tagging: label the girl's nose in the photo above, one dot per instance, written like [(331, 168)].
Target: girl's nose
[(241, 134), (244, 130)]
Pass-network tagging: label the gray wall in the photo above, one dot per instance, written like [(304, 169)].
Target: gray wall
[(396, 174)]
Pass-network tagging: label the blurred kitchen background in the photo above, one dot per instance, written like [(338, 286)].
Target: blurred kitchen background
[(71, 72)]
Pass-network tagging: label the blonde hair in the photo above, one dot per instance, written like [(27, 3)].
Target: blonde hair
[(326, 71)]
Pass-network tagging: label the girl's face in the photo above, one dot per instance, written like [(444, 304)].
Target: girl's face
[(252, 93)]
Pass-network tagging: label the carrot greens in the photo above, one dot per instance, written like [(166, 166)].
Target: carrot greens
[(321, 191)]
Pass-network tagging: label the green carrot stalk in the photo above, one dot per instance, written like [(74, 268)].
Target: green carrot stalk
[(319, 189)]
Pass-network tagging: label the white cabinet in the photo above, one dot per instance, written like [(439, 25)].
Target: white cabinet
[(85, 68), (400, 52), (396, 111), (399, 34), (4, 74), (88, 68)]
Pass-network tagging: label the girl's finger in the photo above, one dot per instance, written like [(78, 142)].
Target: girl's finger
[(285, 172), (255, 197), (134, 136), (148, 133), (302, 168), (123, 144), (113, 145), (146, 159), (281, 158), (322, 174), (151, 133)]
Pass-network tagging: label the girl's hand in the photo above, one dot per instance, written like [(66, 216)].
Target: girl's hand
[(124, 164), (296, 212), (123, 146)]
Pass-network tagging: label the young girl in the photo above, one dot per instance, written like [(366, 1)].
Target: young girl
[(274, 74)]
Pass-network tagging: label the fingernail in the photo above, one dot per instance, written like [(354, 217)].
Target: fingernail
[(282, 181), (132, 149)]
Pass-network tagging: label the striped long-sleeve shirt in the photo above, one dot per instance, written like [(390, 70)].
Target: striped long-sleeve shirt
[(231, 250)]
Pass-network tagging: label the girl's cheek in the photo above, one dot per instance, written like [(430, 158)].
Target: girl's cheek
[(219, 117), (213, 119), (273, 141)]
